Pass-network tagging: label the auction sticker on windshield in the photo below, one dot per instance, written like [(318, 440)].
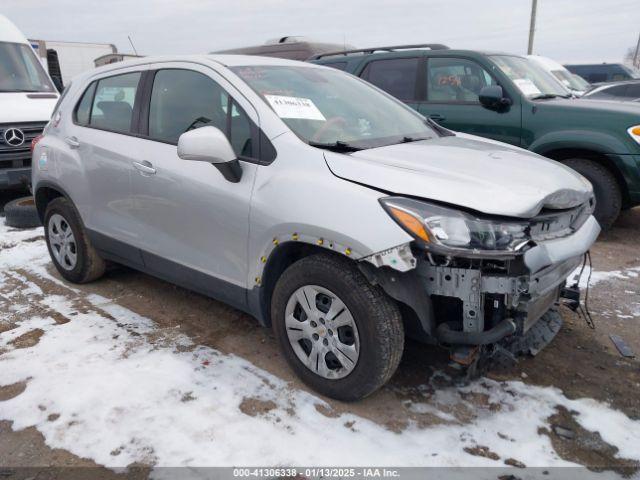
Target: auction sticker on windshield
[(294, 107), (526, 86)]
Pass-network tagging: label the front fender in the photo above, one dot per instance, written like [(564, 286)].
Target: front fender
[(579, 139), (322, 238)]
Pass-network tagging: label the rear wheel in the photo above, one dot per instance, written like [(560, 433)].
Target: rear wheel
[(69, 246), (341, 335), (605, 187)]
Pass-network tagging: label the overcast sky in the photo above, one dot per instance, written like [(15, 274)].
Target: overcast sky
[(568, 30)]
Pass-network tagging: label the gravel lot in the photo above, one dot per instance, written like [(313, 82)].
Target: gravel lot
[(96, 374)]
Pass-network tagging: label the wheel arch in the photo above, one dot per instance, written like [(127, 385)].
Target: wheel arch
[(280, 258), (600, 157), (44, 193)]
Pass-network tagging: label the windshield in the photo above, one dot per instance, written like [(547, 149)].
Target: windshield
[(571, 81), (20, 70), (531, 79), (326, 106), (632, 71)]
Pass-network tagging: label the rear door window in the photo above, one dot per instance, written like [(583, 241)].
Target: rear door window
[(183, 100), (396, 76), (113, 102)]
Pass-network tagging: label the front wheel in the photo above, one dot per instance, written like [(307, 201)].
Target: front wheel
[(605, 187), (341, 335)]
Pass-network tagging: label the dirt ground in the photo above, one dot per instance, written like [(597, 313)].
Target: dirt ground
[(581, 362)]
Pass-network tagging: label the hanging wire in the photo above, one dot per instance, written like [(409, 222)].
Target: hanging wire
[(584, 312)]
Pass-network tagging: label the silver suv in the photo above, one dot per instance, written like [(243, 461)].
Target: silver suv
[(313, 201)]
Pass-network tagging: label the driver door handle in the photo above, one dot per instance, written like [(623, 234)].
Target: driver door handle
[(144, 167)]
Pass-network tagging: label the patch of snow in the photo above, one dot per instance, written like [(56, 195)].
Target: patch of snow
[(598, 276), (124, 397)]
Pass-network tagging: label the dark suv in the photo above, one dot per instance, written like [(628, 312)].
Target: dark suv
[(604, 72), (508, 98)]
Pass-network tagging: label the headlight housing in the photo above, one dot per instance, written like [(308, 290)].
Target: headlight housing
[(448, 230), (634, 132)]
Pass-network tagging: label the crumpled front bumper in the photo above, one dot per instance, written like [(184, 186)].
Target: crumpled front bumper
[(556, 251), (498, 304)]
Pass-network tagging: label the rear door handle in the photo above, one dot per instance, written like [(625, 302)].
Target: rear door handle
[(437, 117), (72, 142), (144, 167)]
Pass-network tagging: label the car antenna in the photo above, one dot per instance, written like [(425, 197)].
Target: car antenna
[(132, 45)]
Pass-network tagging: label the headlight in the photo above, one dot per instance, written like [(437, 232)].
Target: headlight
[(635, 133), (446, 229)]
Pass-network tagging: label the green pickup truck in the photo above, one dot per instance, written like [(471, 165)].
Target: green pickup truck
[(508, 98)]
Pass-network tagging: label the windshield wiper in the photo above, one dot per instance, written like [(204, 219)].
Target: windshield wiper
[(544, 96), (408, 139), (338, 146), (440, 130)]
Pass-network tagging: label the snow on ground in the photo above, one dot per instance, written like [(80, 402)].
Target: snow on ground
[(596, 276), (108, 384)]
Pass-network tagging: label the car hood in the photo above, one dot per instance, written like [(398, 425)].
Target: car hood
[(16, 107), (478, 174), (588, 106)]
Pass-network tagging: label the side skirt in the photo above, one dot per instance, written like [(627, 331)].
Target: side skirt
[(149, 263)]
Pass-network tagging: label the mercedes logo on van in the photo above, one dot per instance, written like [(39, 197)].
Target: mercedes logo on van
[(14, 137)]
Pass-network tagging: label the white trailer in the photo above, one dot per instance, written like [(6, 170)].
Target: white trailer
[(73, 57)]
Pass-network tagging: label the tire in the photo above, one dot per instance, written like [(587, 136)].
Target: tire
[(88, 265), (606, 189), (22, 213), (378, 328)]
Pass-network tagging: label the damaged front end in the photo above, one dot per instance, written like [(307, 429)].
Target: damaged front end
[(475, 283)]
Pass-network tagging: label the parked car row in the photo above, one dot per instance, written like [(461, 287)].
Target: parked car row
[(346, 210)]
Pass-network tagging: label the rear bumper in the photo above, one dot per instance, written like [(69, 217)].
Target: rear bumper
[(15, 177)]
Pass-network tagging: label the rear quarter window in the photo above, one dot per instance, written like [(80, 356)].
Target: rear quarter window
[(396, 76), (83, 110)]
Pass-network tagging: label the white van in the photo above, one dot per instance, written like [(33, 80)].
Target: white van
[(27, 99), (576, 84)]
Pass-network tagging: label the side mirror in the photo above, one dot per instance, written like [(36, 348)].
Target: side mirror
[(209, 144), (493, 98)]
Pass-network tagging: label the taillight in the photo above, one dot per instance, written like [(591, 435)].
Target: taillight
[(34, 142)]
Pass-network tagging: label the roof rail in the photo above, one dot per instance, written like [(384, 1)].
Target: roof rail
[(432, 46)]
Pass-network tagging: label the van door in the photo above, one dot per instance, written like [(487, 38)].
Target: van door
[(193, 224), (453, 88), (101, 144)]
